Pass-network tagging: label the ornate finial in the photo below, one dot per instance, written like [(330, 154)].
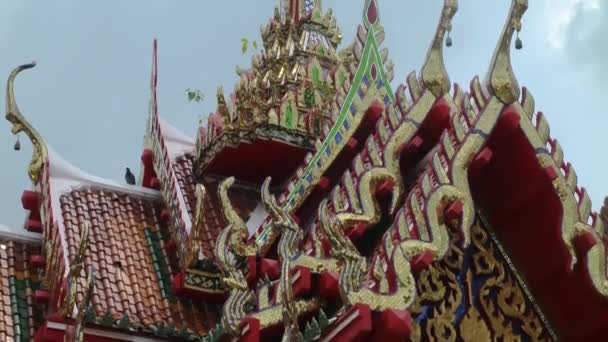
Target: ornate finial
[(371, 15), (20, 124), (434, 75), (74, 272), (240, 233), (500, 79), (222, 108), (78, 334), (269, 201), (194, 242)]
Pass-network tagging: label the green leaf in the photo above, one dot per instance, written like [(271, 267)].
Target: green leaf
[(195, 95), (244, 45), (255, 45)]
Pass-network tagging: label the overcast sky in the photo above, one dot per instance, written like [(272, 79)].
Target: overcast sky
[(88, 96)]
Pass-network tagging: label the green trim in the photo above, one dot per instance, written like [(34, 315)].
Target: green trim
[(370, 55), (19, 308), (160, 264)]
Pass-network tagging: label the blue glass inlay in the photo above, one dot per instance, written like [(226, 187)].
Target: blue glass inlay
[(346, 125), (338, 138), (301, 190), (328, 151), (380, 84), (309, 178), (360, 92), (353, 109), (387, 99), (366, 80)]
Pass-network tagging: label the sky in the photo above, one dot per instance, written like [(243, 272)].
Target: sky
[(88, 96)]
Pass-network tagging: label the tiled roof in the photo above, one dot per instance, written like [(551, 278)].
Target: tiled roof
[(18, 317), (244, 201), (132, 271), (183, 172)]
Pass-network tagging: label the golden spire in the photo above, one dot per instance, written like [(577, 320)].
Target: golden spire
[(434, 75), (500, 79), (20, 124)]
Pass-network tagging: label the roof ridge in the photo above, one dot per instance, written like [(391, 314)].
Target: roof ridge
[(7, 233), (60, 169)]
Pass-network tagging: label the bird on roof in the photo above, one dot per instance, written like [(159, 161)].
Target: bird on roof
[(130, 177)]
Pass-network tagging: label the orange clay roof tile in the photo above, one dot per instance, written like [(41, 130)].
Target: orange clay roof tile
[(127, 280), (244, 200)]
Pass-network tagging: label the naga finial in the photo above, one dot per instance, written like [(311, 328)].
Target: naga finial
[(434, 74), (500, 79), (240, 233), (78, 335), (194, 243), (74, 271), (20, 124)]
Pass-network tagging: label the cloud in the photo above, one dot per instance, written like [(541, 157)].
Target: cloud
[(586, 39), (561, 16), (578, 29)]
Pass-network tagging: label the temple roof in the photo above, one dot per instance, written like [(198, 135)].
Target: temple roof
[(18, 318), (8, 233), (127, 249)]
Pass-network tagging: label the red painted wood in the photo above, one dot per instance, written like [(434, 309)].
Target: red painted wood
[(34, 226), (329, 285), (29, 200), (392, 325)]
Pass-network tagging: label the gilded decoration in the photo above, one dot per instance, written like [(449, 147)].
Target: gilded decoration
[(371, 73), (287, 250), (20, 124), (427, 207), (85, 302), (194, 239), (501, 78), (228, 242), (76, 265), (288, 89), (474, 294)]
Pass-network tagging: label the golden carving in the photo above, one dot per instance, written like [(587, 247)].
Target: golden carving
[(229, 246), (73, 275), (490, 312), (472, 326), (240, 296), (20, 124), (287, 249), (368, 184), (240, 233), (78, 333), (194, 242), (502, 82), (434, 75)]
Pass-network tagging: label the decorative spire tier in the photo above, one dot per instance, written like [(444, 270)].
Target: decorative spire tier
[(284, 98)]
